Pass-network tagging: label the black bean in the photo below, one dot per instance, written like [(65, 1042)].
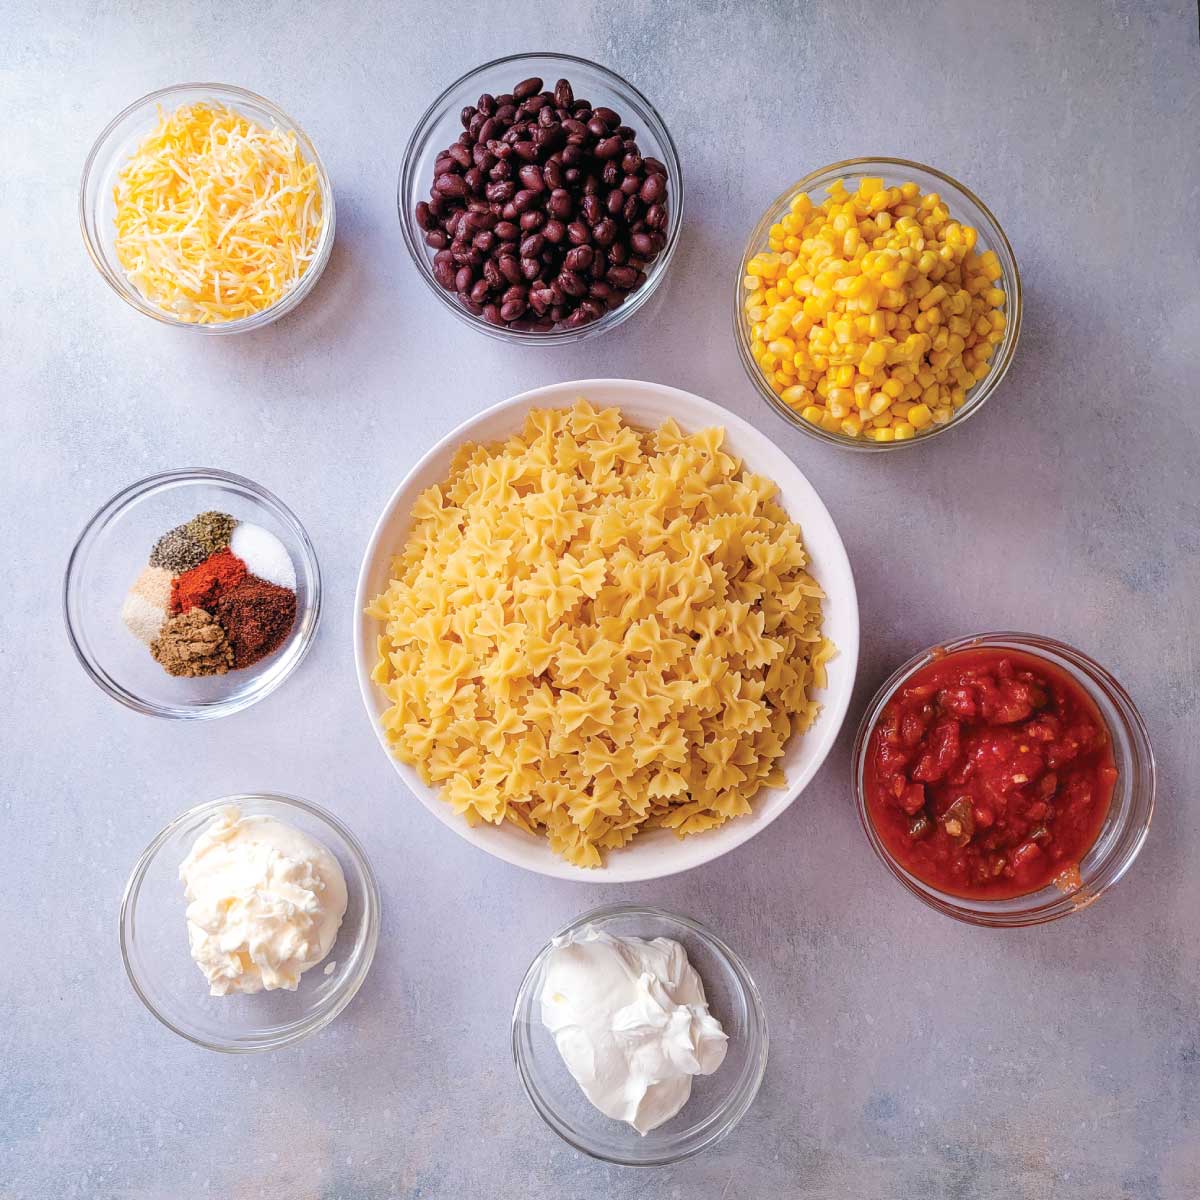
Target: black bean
[(531, 177), (500, 209), (559, 203), (642, 244), (531, 247), (571, 283), (653, 189), (527, 87), (579, 259), (450, 185)]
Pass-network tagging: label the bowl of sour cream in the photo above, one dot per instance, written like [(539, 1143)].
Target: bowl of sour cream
[(639, 1036)]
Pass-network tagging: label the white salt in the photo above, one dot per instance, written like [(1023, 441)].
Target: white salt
[(264, 554)]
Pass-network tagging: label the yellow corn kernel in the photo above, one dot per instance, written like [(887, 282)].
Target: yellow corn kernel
[(884, 435), (873, 309), (919, 416)]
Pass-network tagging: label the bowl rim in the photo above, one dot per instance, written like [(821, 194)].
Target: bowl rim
[(286, 302), (982, 390), (372, 906), (117, 504), (834, 710), (1046, 904), (754, 1072), (557, 336)]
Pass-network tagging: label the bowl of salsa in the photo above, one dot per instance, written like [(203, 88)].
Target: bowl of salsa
[(1005, 778)]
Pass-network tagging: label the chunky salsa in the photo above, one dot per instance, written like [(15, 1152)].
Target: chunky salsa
[(989, 774)]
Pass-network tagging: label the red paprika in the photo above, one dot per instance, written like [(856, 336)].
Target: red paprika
[(203, 586)]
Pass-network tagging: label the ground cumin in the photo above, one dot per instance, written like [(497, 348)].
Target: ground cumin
[(192, 644), (257, 616)]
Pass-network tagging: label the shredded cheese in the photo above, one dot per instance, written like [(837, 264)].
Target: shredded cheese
[(217, 217)]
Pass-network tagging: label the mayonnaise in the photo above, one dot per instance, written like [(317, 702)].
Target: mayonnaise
[(631, 1022), (265, 902)]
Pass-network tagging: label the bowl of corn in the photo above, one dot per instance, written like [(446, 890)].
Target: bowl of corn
[(878, 303)]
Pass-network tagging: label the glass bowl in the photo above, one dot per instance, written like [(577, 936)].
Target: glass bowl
[(440, 127), (718, 1101), (114, 547), (154, 939), (965, 207), (1125, 827), (97, 208)]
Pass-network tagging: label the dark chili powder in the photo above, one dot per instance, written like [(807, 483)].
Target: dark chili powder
[(204, 585), (257, 616)]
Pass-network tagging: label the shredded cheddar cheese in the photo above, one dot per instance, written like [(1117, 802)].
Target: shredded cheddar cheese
[(217, 217)]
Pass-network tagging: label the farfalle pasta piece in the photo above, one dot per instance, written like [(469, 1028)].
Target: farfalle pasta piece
[(593, 630)]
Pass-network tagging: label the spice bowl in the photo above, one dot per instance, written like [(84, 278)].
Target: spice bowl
[(114, 548), (718, 1101), (154, 937), (1126, 824), (964, 207), (121, 137), (441, 126)]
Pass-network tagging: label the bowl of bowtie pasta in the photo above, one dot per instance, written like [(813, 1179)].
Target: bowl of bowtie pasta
[(606, 630)]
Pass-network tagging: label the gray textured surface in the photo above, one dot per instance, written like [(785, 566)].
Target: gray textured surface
[(911, 1057)]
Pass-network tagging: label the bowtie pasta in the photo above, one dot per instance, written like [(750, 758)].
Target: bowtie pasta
[(593, 630)]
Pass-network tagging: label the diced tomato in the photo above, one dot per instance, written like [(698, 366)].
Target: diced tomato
[(989, 774)]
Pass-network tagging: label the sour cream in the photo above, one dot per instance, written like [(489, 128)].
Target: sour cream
[(630, 1019)]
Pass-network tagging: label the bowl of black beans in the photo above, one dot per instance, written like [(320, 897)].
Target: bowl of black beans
[(540, 198)]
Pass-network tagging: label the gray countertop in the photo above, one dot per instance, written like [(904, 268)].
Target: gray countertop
[(911, 1057)]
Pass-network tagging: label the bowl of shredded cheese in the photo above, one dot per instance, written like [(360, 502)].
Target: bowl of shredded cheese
[(206, 206)]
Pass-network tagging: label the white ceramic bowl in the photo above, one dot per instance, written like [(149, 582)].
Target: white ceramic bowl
[(654, 853)]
